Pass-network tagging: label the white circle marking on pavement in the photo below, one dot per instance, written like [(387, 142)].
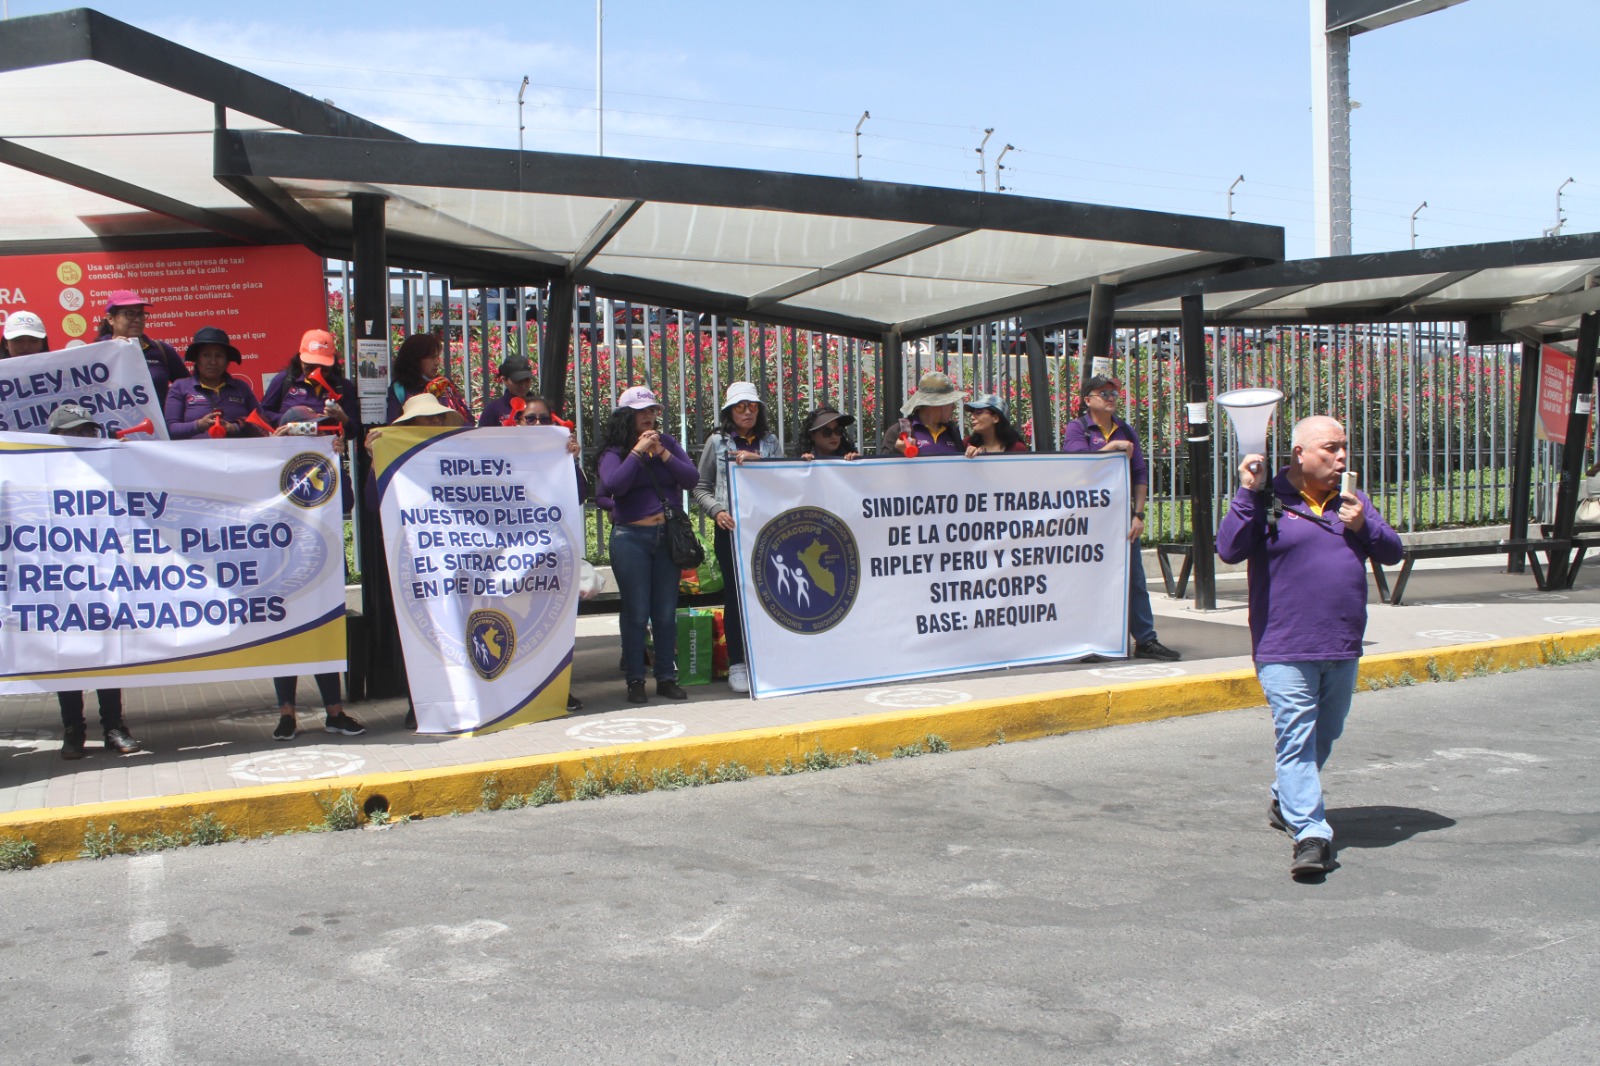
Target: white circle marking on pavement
[(297, 764), (1538, 597), (1139, 672), (1456, 636), (1573, 620), (910, 696), (627, 730)]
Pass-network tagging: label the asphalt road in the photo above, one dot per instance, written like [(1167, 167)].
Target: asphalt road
[(1108, 897)]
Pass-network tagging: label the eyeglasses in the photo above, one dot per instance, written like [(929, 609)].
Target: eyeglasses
[(537, 420), (1108, 395), (132, 311)]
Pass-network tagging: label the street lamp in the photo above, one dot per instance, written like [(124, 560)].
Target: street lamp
[(1414, 215)]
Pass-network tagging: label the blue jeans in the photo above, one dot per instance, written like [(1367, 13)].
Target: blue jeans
[(647, 580), (1141, 617), (1309, 704)]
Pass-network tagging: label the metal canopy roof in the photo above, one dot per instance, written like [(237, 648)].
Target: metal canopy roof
[(113, 138), (1508, 288), (106, 137)]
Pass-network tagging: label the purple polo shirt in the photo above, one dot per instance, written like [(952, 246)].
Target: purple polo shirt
[(1308, 581), (1083, 435), (188, 402), (948, 442), (634, 497), (496, 411)]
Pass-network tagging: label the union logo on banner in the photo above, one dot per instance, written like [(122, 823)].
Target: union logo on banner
[(806, 570), (309, 479), (491, 643)]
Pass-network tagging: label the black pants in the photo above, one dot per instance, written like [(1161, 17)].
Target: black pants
[(110, 708), (327, 687), (732, 624)]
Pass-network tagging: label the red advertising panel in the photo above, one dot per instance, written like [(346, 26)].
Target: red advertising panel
[(265, 298), (1555, 393)]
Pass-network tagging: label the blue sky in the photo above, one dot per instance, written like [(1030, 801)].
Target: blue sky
[(1478, 109)]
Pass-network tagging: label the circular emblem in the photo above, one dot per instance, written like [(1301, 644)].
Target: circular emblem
[(71, 299), (74, 325), (309, 479), (69, 273), (491, 642), (807, 570)]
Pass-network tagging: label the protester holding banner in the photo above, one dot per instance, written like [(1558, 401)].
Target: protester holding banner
[(925, 428), (70, 420), (741, 434), (125, 311), (315, 380), (25, 334), (992, 431), (822, 435), (536, 412), (639, 467), (213, 403), (516, 377), (1098, 429)]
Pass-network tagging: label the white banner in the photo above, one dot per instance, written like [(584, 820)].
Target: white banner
[(154, 563), (108, 377), (484, 534), (857, 573)]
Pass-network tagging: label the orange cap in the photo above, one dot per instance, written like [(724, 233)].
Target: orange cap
[(317, 348)]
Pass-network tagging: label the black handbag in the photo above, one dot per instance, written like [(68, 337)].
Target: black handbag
[(682, 543)]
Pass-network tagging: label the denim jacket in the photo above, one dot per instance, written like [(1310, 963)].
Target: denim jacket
[(711, 494)]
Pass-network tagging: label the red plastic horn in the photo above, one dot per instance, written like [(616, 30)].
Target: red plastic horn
[(219, 429), (332, 426), (260, 423), (316, 378), (558, 420), (146, 426), (517, 406), (911, 450)]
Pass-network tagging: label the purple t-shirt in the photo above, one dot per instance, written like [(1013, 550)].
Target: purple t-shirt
[(1083, 435), (1308, 581), (188, 402), (624, 480)]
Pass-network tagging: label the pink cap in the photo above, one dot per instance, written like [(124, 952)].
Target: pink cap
[(125, 298), (640, 398)]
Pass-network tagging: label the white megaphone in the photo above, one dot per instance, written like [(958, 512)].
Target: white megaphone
[(1250, 411)]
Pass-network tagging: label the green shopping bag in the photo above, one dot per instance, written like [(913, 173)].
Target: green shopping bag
[(695, 645)]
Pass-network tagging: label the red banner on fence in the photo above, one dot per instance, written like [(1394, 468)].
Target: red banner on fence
[(264, 298), (1556, 370)]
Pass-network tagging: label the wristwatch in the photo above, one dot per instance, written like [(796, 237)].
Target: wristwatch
[(1139, 515)]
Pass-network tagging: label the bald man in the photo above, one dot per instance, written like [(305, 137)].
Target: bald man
[(1308, 548)]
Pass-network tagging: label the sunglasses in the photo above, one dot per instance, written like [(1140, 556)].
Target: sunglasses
[(746, 405), (537, 420), (830, 431), (1109, 395)]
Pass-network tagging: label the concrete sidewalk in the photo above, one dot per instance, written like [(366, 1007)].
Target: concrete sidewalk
[(212, 744)]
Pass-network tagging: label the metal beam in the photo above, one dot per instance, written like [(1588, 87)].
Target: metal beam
[(1573, 451), (602, 233), (1424, 290), (1550, 309), (1203, 538), (728, 305), (1250, 303), (555, 344), (1522, 452), (873, 257), (48, 166), (284, 156), (1044, 407), (266, 197), (1097, 336)]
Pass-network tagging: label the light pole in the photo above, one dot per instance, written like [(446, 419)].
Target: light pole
[(1232, 187), (983, 175), (999, 178), (864, 116), (1414, 215), (599, 77), (1555, 231), (522, 92)]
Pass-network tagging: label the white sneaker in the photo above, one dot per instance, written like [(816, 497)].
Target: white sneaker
[(739, 677)]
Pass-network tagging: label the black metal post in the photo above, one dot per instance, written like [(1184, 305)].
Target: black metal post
[(1193, 337), (1522, 455), (1097, 341), (1044, 408), (376, 667), (892, 384), (1573, 452), (554, 344)]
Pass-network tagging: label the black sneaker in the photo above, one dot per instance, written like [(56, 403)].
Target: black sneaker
[(72, 742), (343, 723), (286, 728), (670, 690), (1275, 818), (1154, 649), (636, 692), (574, 704), (119, 741), (1313, 855)]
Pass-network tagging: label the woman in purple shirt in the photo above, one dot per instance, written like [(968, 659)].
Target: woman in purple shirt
[(213, 397), (640, 469), (926, 428)]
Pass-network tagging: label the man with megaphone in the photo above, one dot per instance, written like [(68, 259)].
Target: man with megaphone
[(1308, 534)]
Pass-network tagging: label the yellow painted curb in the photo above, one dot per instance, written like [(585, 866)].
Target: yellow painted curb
[(58, 833)]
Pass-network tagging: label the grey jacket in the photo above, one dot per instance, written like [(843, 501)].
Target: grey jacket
[(711, 494)]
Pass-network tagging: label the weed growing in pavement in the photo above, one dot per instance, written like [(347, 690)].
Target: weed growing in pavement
[(156, 841), (97, 845), (909, 751), (545, 792), (338, 814), (18, 853), (609, 778), (1556, 655), (937, 744), (676, 777), (1432, 667), (489, 794), (1000, 736)]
